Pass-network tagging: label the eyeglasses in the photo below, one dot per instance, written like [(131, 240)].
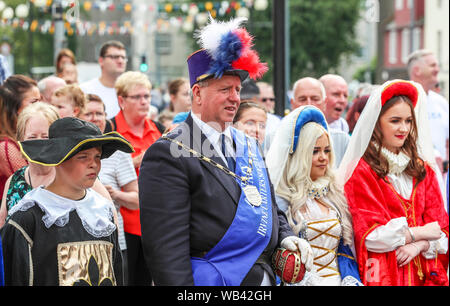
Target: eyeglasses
[(116, 57), (96, 114), (138, 97), (264, 100)]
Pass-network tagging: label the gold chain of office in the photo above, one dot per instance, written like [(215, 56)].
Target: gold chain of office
[(244, 179)]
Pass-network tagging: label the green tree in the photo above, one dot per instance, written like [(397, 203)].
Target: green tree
[(322, 32)]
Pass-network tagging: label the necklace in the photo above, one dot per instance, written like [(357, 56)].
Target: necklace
[(319, 188), (252, 193), (200, 156)]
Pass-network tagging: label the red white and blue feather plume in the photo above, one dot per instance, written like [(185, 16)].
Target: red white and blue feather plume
[(230, 47)]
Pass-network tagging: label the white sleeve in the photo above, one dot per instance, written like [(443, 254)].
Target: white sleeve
[(125, 172), (439, 246), (388, 237)]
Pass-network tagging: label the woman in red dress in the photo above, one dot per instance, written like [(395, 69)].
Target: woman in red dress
[(399, 220)]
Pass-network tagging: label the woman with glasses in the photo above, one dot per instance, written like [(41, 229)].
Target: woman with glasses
[(17, 92), (133, 93)]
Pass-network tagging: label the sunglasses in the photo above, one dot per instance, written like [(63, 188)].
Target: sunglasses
[(267, 99)]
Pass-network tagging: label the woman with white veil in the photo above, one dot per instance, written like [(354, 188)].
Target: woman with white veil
[(300, 163), (393, 192)]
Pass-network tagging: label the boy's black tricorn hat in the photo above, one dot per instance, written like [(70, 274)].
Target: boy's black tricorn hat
[(68, 136)]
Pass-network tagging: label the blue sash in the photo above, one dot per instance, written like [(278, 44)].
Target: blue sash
[(348, 268), (228, 262), (2, 277)]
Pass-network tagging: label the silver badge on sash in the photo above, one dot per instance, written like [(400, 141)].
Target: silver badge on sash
[(252, 194)]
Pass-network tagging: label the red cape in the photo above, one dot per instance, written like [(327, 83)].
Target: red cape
[(374, 202)]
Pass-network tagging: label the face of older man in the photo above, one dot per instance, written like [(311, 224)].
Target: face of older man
[(218, 102), (308, 92), (428, 70), (336, 100)]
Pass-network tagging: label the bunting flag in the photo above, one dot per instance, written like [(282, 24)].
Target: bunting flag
[(89, 28), (162, 6), (179, 15)]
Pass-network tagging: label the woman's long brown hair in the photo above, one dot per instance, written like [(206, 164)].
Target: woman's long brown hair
[(378, 162)]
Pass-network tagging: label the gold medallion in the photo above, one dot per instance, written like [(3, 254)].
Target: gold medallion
[(252, 194)]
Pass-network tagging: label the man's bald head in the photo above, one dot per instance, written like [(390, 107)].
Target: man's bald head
[(336, 89), (328, 79), (47, 86), (308, 91)]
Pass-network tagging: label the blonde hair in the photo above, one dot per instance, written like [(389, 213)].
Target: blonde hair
[(128, 80), (46, 110), (75, 94), (296, 181)]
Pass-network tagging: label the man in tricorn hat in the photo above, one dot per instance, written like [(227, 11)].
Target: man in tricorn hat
[(208, 211)]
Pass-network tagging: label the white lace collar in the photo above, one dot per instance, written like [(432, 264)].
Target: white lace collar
[(397, 162), (94, 210), (319, 188)]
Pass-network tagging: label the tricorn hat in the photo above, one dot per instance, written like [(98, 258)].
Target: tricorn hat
[(226, 50), (68, 136)]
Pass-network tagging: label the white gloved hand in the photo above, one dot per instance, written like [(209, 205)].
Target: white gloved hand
[(293, 243)]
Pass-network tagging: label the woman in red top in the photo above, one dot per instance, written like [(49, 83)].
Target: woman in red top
[(132, 122), (16, 93), (399, 220)]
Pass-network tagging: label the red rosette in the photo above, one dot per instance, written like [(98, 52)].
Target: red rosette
[(288, 266)]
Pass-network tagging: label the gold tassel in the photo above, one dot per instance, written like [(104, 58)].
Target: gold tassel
[(419, 267)]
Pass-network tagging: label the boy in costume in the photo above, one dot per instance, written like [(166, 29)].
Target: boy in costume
[(64, 233)]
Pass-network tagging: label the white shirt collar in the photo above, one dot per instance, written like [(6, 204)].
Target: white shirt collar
[(214, 136)]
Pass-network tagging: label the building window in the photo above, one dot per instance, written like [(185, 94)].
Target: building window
[(393, 46), (416, 39), (399, 4), (410, 4), (406, 44)]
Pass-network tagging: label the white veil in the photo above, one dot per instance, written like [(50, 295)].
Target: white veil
[(366, 123), (281, 145)]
